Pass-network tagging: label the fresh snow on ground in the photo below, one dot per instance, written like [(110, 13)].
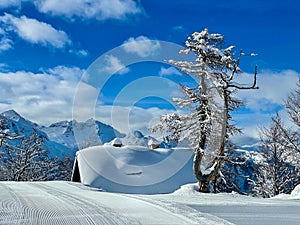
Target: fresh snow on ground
[(73, 203), (295, 195), (239, 209)]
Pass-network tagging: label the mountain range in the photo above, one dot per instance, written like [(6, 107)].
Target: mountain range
[(66, 137)]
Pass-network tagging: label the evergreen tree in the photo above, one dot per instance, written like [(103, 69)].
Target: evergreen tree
[(208, 124)]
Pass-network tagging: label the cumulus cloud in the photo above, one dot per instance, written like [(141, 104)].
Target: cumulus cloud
[(5, 42), (128, 119), (69, 74), (142, 46), (92, 9), (9, 3), (169, 71), (114, 65), (262, 104), (43, 97), (273, 89), (84, 102), (80, 53), (34, 31)]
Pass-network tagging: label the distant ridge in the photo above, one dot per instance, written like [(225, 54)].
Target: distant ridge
[(59, 137)]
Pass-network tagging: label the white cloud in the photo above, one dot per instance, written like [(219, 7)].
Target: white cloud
[(142, 46), (34, 31), (42, 97), (72, 74), (169, 71), (10, 3), (80, 53), (127, 119), (262, 104), (114, 65), (84, 102), (273, 89), (3, 66), (5, 44), (92, 9)]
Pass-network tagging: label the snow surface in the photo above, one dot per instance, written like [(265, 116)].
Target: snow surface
[(72, 203), (295, 195)]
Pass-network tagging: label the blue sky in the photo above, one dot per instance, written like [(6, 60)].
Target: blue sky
[(46, 46)]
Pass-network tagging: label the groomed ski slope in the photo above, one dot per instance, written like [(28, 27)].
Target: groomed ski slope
[(72, 203), (69, 203)]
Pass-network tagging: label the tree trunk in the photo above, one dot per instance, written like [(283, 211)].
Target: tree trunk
[(204, 186), (205, 179), (202, 180)]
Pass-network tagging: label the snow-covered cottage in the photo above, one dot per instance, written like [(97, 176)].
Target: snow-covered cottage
[(133, 169)]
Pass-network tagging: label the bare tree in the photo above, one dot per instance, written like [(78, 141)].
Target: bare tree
[(208, 124), (278, 172), (28, 161), (293, 105), (24, 161), (5, 136)]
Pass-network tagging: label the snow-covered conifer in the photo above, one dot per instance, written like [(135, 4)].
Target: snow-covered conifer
[(208, 123)]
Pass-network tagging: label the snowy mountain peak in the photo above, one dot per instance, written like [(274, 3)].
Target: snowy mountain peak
[(77, 135), (63, 123), (138, 138), (138, 134), (17, 124), (12, 115)]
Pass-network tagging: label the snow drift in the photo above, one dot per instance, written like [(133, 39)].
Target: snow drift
[(134, 169)]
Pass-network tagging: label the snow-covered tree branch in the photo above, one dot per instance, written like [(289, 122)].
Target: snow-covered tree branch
[(28, 161), (293, 105)]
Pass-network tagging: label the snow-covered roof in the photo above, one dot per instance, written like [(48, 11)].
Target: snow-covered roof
[(116, 142), (135, 169), (153, 142)]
